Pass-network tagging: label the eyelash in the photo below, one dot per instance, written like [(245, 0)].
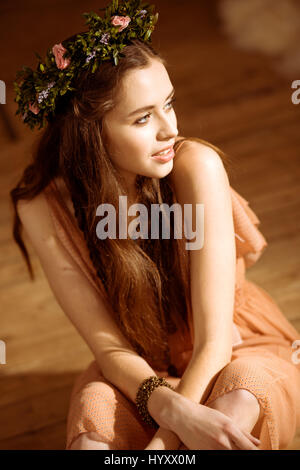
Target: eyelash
[(138, 123)]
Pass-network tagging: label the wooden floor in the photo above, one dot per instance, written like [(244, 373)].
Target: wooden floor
[(232, 98)]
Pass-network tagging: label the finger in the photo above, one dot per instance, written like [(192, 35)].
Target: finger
[(233, 446), (242, 441), (253, 439)]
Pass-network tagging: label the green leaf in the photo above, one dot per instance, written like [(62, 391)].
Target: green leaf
[(155, 18), (42, 67), (116, 60), (48, 62), (94, 67), (115, 5), (148, 34)]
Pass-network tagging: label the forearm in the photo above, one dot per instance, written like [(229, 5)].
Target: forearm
[(166, 406), (127, 371), (162, 406), (195, 385), (164, 439), (201, 372)]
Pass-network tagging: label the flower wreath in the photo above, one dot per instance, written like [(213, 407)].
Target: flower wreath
[(37, 92)]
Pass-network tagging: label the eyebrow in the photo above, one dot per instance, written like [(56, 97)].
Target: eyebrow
[(146, 108)]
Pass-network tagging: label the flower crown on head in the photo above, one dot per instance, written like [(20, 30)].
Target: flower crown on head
[(37, 92)]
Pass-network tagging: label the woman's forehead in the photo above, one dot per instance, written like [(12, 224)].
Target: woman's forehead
[(145, 87)]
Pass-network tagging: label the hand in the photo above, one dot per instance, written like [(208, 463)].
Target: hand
[(202, 428), (163, 439)]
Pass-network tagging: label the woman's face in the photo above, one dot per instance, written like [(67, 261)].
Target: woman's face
[(135, 135)]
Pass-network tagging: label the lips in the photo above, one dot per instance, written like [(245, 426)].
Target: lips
[(162, 150), (166, 157)]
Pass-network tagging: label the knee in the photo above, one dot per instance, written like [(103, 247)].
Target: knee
[(246, 398), (249, 399), (241, 397), (89, 441), (241, 375)]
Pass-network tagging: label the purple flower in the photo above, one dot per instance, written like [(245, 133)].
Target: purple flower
[(44, 93), (104, 38), (90, 56), (143, 13)]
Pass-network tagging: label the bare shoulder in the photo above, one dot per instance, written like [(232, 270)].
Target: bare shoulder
[(195, 163), (193, 152), (36, 219)]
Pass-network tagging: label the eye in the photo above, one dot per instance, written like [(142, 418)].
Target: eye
[(170, 103)]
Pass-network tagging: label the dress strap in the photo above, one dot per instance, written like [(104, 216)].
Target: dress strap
[(179, 142)]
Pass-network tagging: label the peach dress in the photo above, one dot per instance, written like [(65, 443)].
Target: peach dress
[(261, 357)]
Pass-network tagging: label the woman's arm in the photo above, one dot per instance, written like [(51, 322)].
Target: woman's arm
[(199, 177), (195, 385)]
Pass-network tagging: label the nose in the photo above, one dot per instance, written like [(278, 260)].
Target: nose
[(168, 127)]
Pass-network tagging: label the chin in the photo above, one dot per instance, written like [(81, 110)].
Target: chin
[(166, 168), (161, 172)]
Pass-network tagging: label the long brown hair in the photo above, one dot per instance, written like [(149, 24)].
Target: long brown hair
[(145, 281)]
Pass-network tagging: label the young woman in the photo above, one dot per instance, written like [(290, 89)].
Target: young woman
[(148, 308)]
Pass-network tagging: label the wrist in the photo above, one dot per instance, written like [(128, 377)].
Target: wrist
[(163, 405)]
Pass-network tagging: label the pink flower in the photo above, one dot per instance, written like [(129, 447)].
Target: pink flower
[(58, 52), (34, 108), (122, 21)]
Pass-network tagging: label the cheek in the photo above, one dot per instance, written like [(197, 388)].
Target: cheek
[(142, 135), (132, 157), (140, 142)]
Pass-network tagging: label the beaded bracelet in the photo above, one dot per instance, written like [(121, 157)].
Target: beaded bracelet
[(143, 394)]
